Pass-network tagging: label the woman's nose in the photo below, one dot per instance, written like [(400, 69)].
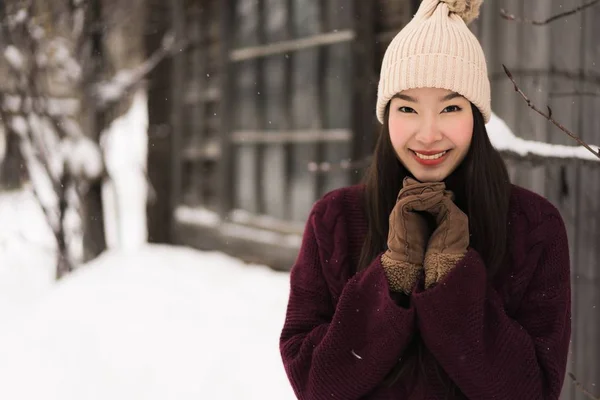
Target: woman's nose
[(429, 133)]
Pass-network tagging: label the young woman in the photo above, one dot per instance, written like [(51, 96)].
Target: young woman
[(437, 278)]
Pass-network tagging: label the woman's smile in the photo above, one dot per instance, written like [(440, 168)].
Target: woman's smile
[(430, 158)]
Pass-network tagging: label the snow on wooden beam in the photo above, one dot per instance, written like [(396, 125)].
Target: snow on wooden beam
[(519, 149), (292, 136), (291, 45)]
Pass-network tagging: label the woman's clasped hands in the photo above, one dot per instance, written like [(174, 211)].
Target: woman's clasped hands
[(428, 233)]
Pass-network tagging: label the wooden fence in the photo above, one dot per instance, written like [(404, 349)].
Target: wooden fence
[(556, 65)]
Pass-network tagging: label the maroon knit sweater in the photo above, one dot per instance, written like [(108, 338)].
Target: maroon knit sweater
[(505, 340)]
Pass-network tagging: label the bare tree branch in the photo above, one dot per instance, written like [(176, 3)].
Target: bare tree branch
[(512, 17), (112, 91), (18, 75), (32, 146), (548, 116), (583, 390), (48, 213)]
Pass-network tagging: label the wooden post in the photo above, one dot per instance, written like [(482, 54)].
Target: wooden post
[(94, 241), (198, 124), (287, 120), (364, 83), (178, 74), (160, 210), (225, 168), (322, 109), (259, 148)]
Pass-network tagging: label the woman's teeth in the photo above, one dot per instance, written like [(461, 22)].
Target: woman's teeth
[(432, 157)]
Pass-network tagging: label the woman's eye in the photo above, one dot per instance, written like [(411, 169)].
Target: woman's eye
[(451, 109), (406, 110)]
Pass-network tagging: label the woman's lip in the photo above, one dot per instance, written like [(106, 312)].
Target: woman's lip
[(428, 153), (433, 162)]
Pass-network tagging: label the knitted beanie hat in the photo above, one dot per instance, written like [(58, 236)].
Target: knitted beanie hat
[(437, 49)]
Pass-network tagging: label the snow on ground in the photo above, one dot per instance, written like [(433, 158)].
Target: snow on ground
[(159, 322), (26, 254)]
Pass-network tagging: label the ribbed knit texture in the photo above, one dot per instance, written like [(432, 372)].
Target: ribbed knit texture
[(503, 340), (435, 49)]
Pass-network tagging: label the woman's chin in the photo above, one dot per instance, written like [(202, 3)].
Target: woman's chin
[(429, 177)]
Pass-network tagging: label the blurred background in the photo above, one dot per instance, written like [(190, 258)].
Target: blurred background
[(158, 159)]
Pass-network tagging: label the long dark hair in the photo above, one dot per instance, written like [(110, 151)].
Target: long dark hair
[(482, 189)]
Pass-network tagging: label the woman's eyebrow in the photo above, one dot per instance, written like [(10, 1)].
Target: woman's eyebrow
[(447, 97), (405, 97), (450, 96)]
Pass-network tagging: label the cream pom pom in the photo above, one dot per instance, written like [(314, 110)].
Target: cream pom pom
[(468, 10)]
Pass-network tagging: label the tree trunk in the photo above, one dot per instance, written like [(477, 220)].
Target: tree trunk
[(94, 241), (12, 170), (94, 238)]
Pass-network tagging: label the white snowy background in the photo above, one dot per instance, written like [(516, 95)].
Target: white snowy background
[(145, 321), (141, 321), (155, 322)]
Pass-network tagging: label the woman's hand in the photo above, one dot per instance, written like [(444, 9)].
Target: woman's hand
[(409, 233), (450, 240)]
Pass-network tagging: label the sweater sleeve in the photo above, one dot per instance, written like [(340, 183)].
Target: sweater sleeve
[(343, 350), (488, 354)]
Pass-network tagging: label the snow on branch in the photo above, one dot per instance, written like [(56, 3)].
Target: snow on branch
[(17, 18), (505, 141), (56, 55), (548, 116), (111, 91), (14, 57)]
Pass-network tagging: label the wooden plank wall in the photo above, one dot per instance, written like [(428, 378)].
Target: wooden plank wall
[(564, 180), (587, 283), (200, 97), (550, 62)]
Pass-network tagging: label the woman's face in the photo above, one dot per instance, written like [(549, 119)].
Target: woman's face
[(431, 131)]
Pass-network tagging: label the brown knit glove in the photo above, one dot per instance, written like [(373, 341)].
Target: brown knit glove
[(450, 240), (409, 233)]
